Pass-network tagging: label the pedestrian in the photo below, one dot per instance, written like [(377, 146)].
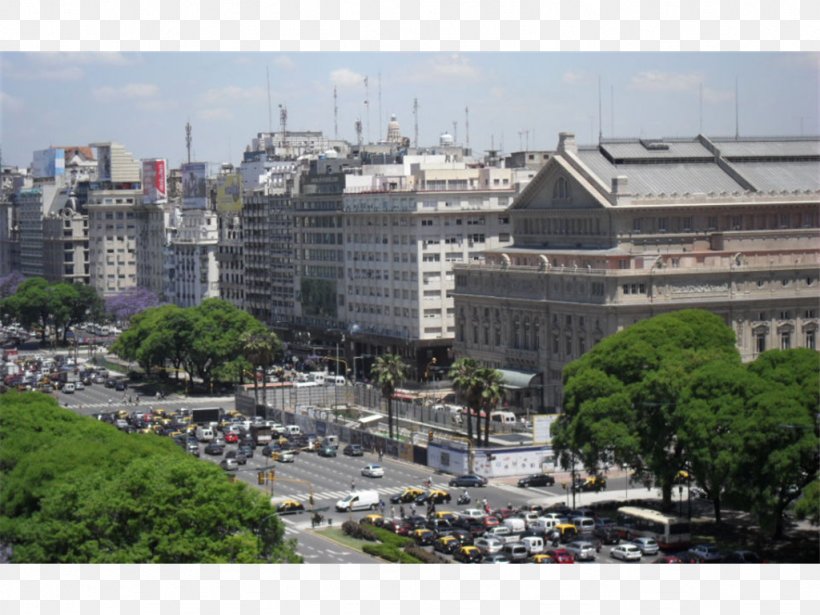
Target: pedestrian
[(381, 506), (412, 509), (353, 485), (392, 512), (157, 395), (138, 400), (401, 511)]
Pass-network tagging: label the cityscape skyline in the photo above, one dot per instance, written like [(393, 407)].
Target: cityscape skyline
[(225, 98)]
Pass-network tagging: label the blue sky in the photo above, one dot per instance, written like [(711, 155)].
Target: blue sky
[(143, 100)]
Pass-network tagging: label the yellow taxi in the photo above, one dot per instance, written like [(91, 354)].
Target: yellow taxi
[(449, 515), (423, 536), (542, 558), (567, 531), (373, 519), (467, 555), (446, 544), (288, 507), (437, 496), (408, 495)]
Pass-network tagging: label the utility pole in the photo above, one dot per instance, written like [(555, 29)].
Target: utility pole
[(415, 122), (188, 140)]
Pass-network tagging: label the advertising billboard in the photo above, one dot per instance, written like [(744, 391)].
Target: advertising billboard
[(153, 180), (228, 193), (194, 190), (104, 163), (48, 163)]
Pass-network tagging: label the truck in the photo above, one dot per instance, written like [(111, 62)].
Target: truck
[(262, 434), (205, 416)]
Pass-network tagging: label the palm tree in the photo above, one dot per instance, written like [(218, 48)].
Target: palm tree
[(490, 385), (463, 374), (260, 348), (389, 370)]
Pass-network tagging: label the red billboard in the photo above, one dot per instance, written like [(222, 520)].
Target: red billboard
[(153, 180)]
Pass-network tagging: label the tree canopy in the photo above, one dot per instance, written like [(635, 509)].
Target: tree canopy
[(76, 490), (670, 393), (388, 373)]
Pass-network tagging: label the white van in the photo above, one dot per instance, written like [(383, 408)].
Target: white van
[(358, 500), (293, 430), (585, 525), (516, 551), (339, 381), (505, 418), (543, 524), (516, 524), (317, 377), (534, 544), (204, 434)]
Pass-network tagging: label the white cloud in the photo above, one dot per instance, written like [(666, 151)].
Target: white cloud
[(572, 77), (284, 62), (344, 77), (712, 95), (233, 94), (659, 81), (129, 90), (215, 114), (444, 68), (10, 103)]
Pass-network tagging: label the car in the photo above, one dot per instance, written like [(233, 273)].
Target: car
[(591, 483), (648, 546), (667, 559), (496, 558), (742, 557), (417, 522), (472, 513), (441, 527), (121, 385), (397, 526), (468, 480), (689, 557), (537, 480), (446, 544), (212, 448), (490, 521), (231, 437), (581, 550), (269, 449), (408, 495), (488, 545), (69, 387), (561, 556), (289, 507), (229, 464), (437, 496), (423, 536), (626, 552), (708, 553), (353, 450), (246, 450), (327, 451), (607, 535), (79, 385), (542, 558), (472, 526), (193, 449), (284, 456), (463, 536), (373, 470), (238, 456), (373, 519), (219, 439), (467, 555)]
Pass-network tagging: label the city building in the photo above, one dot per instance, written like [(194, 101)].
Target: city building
[(607, 235), (65, 243)]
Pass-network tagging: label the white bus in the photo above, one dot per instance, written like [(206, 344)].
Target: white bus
[(669, 531)]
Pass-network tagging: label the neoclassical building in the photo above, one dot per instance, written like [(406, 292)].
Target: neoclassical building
[(610, 234)]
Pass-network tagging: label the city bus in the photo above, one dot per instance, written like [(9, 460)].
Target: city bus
[(669, 531)]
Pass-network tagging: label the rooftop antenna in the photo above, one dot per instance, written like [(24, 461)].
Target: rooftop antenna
[(367, 106), (335, 115), (415, 122), (600, 128), (270, 113), (455, 132), (700, 108), (358, 126), (467, 126), (381, 120), (188, 140), (520, 140), (611, 111)]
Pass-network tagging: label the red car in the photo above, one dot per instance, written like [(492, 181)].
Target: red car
[(397, 526), (231, 438), (490, 521), (561, 556)]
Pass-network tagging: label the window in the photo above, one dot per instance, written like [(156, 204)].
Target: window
[(810, 314), (810, 341), (560, 190), (760, 342), (785, 315), (785, 340)]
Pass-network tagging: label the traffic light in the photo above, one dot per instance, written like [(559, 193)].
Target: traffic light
[(272, 475), (430, 436), (260, 478)]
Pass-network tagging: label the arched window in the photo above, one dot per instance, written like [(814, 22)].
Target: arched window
[(560, 191)]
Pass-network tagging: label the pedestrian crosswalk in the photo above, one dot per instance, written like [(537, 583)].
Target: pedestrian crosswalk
[(338, 495)]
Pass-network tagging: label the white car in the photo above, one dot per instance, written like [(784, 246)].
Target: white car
[(286, 457), (374, 470), (79, 386), (581, 550), (488, 545), (648, 546), (626, 552), (472, 513)]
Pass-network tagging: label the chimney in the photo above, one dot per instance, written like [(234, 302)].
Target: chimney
[(566, 143), (620, 189)]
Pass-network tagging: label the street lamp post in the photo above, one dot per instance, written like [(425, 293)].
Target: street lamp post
[(680, 500)]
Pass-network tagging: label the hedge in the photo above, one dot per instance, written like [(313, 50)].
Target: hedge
[(425, 556), (390, 553)]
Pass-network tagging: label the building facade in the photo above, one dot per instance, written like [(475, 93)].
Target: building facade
[(195, 248), (608, 235)]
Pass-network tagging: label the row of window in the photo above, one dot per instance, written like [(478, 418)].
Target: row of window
[(785, 339), (735, 222)]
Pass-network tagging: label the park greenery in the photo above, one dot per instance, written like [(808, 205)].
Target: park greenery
[(480, 388), (77, 490), (388, 372), (670, 394), (212, 341)]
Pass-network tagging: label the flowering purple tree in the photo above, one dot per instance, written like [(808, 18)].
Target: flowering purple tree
[(122, 306), (9, 283)]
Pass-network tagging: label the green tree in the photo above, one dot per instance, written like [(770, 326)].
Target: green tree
[(388, 372), (76, 490), (480, 388), (808, 506), (622, 397), (489, 381), (31, 305), (260, 348)]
